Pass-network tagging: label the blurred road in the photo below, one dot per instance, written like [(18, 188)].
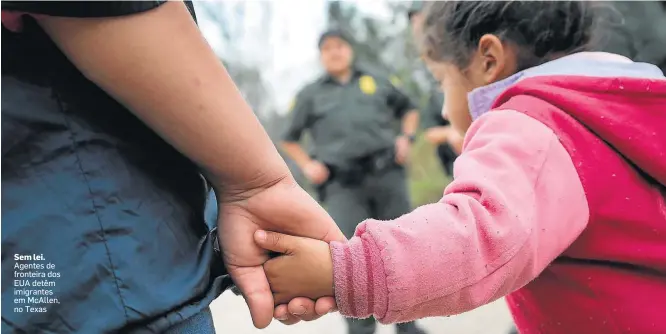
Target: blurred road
[(232, 317)]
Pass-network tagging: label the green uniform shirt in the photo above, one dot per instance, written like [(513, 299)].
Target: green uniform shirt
[(348, 121)]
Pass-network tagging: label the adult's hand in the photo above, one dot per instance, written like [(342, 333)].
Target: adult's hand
[(316, 172), (456, 141), (437, 135), (284, 207), (402, 148)]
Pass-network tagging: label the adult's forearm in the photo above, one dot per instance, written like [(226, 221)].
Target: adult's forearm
[(160, 67), (296, 152), (437, 135), (410, 122), (455, 140)]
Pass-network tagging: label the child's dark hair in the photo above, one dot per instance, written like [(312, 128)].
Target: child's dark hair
[(542, 30)]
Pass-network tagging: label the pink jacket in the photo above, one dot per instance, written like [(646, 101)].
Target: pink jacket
[(516, 204)]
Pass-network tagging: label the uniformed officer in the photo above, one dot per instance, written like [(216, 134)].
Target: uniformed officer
[(438, 132), (359, 154)]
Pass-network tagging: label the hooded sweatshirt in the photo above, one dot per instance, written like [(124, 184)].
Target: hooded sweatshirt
[(557, 201)]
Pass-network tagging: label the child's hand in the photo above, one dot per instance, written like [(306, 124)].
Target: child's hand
[(304, 269)]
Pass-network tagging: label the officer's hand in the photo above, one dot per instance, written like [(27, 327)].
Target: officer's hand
[(316, 172), (437, 135), (402, 148), (456, 141)]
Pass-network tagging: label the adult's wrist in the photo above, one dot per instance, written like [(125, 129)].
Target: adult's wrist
[(242, 191), (410, 137)]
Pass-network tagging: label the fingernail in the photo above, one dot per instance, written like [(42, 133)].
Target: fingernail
[(300, 311), (261, 235), (282, 318)]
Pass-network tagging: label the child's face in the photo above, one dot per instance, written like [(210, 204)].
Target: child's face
[(455, 86), (492, 61)]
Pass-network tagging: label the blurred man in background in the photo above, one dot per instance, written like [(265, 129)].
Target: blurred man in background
[(358, 154), (635, 29), (438, 132)]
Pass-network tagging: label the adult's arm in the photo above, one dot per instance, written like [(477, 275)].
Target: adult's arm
[(403, 109), (158, 65), (456, 141), (410, 122)]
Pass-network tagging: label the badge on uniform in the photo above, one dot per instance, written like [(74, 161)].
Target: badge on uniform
[(292, 104), (367, 85)]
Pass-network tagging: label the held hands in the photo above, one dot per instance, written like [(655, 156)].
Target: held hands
[(304, 268), (278, 206)]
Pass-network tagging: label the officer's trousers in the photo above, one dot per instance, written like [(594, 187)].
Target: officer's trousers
[(381, 195)]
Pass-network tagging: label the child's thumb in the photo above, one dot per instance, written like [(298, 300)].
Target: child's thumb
[(276, 242)]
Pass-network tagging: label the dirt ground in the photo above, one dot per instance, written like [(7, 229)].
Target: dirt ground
[(232, 317)]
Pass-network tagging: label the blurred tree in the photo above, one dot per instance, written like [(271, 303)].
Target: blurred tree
[(254, 89), (228, 18), (215, 13), (251, 84), (386, 47)]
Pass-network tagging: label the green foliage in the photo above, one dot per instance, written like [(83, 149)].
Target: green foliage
[(427, 179)]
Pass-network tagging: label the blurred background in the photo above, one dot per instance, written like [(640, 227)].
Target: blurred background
[(270, 50)]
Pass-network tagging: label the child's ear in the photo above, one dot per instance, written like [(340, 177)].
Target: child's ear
[(494, 56)]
